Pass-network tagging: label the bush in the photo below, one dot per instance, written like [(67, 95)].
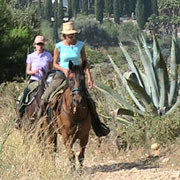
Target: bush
[(145, 131), (93, 33), (128, 32)]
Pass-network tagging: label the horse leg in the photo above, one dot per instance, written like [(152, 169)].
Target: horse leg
[(83, 143), (68, 142)]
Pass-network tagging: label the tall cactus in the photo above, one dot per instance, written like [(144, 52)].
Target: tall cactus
[(155, 87)]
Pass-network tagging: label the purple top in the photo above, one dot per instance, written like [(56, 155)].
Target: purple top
[(39, 61)]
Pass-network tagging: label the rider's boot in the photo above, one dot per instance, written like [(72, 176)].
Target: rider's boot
[(99, 128)]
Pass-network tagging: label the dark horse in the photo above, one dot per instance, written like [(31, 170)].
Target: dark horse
[(27, 115), (71, 114)]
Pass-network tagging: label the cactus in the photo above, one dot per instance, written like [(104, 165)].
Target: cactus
[(153, 89)]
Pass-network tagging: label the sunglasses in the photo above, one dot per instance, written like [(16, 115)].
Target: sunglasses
[(40, 44)]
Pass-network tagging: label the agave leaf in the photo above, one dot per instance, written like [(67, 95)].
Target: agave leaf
[(116, 68), (132, 64), (115, 96), (118, 73), (163, 82), (175, 106), (123, 111), (146, 84), (174, 73), (123, 121), (156, 50), (149, 71), (140, 92), (146, 48), (131, 93)]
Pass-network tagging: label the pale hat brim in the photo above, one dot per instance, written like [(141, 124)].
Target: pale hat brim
[(70, 32)]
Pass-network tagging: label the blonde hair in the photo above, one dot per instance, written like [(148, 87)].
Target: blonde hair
[(63, 37)]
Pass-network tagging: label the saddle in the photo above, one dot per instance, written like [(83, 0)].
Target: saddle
[(26, 97)]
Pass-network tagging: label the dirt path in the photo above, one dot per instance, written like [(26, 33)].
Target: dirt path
[(128, 171), (105, 163), (138, 174)]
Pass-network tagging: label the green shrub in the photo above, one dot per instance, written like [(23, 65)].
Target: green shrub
[(93, 33), (143, 131), (128, 32)]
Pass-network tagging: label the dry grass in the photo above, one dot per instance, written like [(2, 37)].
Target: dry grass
[(22, 158)]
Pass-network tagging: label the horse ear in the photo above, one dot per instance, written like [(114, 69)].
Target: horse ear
[(71, 65), (83, 65)]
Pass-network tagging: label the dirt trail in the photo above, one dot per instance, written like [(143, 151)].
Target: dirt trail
[(108, 164), (120, 171)]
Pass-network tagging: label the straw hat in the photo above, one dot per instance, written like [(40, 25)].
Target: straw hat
[(39, 39), (69, 28)]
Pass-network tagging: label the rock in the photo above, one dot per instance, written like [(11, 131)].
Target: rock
[(155, 146)]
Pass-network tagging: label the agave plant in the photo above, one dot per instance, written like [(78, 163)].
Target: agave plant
[(153, 88)]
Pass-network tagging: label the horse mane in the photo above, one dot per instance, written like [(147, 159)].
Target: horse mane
[(77, 69)]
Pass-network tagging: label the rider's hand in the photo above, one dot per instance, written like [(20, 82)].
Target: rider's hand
[(90, 83), (66, 72), (36, 71)]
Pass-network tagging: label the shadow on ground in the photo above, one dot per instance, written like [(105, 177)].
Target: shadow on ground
[(142, 164)]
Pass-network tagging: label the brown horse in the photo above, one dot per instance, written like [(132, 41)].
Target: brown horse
[(72, 116)]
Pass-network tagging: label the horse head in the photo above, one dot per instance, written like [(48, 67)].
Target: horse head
[(76, 82)]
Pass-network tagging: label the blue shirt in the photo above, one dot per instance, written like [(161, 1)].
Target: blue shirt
[(67, 53)]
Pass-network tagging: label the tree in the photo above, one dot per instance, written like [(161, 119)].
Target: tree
[(155, 7), (69, 10), (99, 7), (48, 9), (132, 5), (148, 9), (168, 20), (140, 13), (116, 10), (74, 6), (55, 22), (85, 7), (18, 27), (108, 8), (60, 13)]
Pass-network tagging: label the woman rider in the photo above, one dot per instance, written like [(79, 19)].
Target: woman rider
[(71, 49)]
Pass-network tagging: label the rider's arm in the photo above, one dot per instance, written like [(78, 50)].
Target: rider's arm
[(83, 57), (28, 70), (56, 62)]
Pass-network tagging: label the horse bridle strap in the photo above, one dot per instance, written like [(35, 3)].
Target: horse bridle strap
[(76, 91)]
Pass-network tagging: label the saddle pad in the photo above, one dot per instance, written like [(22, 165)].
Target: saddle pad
[(27, 100), (32, 87), (57, 90)]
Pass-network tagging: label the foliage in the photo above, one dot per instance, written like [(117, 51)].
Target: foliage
[(15, 39), (93, 33), (85, 7), (140, 13), (60, 13), (99, 6), (116, 9), (48, 10), (74, 8), (167, 22), (128, 32), (152, 88), (108, 8), (47, 31), (95, 56), (144, 131)]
